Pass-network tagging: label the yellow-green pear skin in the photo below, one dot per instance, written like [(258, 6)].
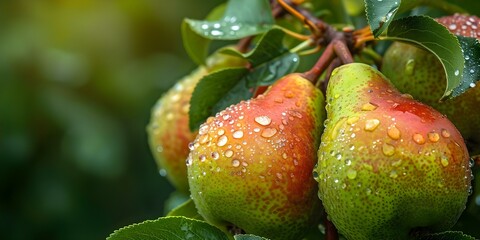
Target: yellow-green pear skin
[(418, 72), (388, 166), (168, 131), (251, 165)]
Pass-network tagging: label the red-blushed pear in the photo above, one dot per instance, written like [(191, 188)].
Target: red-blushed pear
[(388, 166), (250, 167), (418, 72), (168, 131)]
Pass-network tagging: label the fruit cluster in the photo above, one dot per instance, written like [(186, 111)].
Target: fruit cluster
[(381, 164)]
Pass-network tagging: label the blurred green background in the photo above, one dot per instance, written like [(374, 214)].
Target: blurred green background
[(77, 81)]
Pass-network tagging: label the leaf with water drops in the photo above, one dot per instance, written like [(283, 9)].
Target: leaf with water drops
[(248, 237), (449, 235), (169, 228), (186, 209), (380, 13), (471, 72), (431, 35), (242, 18)]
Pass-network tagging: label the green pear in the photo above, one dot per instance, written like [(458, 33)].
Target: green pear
[(168, 131), (388, 166), (250, 168), (418, 72)]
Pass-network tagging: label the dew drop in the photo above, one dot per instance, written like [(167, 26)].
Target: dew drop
[(203, 129), (289, 94), (348, 162), (163, 172), (278, 100), (295, 162), (284, 155), (191, 146), (256, 130), (352, 120), (279, 175), (221, 132), (418, 138), (263, 120), (238, 134), (368, 191), (410, 67), (203, 138), (457, 72), (472, 85), (202, 158), (444, 161), (222, 141), (371, 124), (269, 132), (393, 174), (369, 107), (159, 148), (228, 153), (235, 163), (338, 156), (215, 155), (189, 160), (433, 136), (388, 149), (445, 133), (351, 174), (452, 26), (393, 132)]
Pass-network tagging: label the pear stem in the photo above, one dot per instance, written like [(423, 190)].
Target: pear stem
[(331, 231), (327, 57)]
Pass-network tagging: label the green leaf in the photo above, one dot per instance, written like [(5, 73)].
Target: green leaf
[(195, 45), (270, 60), (433, 36), (471, 72), (169, 228), (380, 14), (242, 18), (210, 90), (248, 237), (450, 235), (186, 209)]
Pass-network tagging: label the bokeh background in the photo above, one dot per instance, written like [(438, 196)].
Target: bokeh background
[(77, 81)]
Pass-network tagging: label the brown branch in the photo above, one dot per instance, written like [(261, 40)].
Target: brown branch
[(327, 57)]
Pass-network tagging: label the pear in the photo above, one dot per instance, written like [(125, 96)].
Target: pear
[(418, 72), (168, 131), (388, 166), (250, 167)]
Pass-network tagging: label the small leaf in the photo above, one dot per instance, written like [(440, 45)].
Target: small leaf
[(380, 14), (186, 209), (248, 237), (433, 36), (450, 235), (471, 72), (209, 91), (169, 228)]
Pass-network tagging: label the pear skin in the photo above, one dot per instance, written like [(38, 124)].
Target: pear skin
[(251, 165), (168, 131), (389, 166), (418, 72)]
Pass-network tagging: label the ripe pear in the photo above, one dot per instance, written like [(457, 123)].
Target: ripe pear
[(250, 167), (168, 131), (388, 166), (418, 72)]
